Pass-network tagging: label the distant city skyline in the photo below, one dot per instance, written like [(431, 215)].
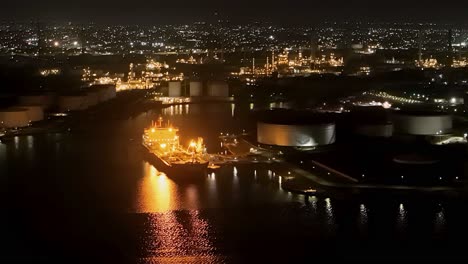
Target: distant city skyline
[(183, 11)]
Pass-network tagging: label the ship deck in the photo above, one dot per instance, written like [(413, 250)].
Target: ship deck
[(178, 156)]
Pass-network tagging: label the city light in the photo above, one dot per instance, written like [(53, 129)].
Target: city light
[(102, 117)]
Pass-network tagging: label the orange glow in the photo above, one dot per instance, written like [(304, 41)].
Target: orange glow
[(193, 144), (154, 191), (163, 145)]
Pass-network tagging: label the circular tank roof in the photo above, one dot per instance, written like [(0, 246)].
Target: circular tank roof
[(421, 112), (14, 109), (369, 115), (293, 117)]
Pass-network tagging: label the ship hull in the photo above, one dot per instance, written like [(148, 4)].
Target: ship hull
[(186, 171)]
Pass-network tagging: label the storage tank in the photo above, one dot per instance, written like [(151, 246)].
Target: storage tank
[(295, 129), (44, 100), (93, 97), (196, 88), (370, 121), (105, 91), (101, 94), (111, 92), (72, 102), (421, 123), (175, 89), (296, 135), (35, 112), (14, 117), (217, 88), (374, 130)]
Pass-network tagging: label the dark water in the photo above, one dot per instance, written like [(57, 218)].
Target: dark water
[(88, 196)]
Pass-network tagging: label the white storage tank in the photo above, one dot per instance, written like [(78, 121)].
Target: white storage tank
[(196, 88), (72, 102), (422, 123), (296, 135), (14, 117), (295, 128), (218, 89), (175, 89), (35, 112)]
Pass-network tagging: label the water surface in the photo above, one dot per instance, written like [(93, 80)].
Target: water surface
[(88, 194)]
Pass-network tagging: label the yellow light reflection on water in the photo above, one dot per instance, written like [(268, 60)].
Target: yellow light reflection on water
[(363, 215), (313, 201), (439, 223), (401, 221), (168, 235), (179, 237), (154, 191), (3, 151), (191, 195), (329, 213), (235, 178), (174, 233), (16, 140), (30, 141), (233, 108)]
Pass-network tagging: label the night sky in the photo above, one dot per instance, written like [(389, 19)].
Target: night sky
[(284, 11)]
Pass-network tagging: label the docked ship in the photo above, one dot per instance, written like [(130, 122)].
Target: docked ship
[(166, 153)]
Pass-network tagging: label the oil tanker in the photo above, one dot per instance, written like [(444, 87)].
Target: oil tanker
[(165, 152)]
